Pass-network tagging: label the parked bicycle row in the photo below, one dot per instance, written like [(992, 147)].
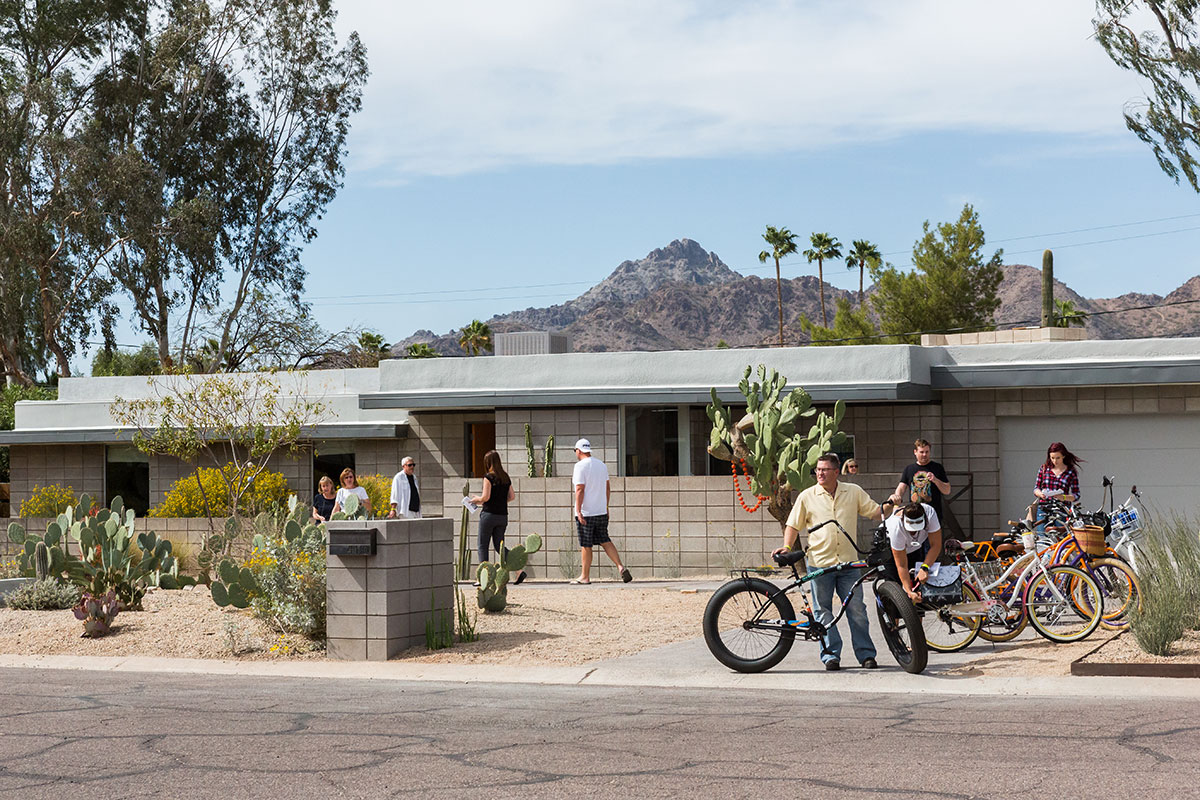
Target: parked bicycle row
[(1064, 571)]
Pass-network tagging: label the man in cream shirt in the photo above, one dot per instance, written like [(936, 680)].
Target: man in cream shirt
[(844, 502)]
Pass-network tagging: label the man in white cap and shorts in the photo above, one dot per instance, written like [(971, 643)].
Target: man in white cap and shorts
[(592, 490)]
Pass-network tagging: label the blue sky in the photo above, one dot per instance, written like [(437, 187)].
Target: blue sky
[(512, 154)]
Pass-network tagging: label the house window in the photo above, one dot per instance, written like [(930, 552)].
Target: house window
[(651, 441), (127, 475), (330, 458)]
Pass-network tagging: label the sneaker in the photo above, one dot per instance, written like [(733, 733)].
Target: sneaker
[(833, 665), (870, 663), (625, 576)]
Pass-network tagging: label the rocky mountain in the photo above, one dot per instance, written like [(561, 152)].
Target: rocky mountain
[(682, 297)]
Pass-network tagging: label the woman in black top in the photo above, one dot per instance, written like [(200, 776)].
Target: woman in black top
[(493, 519), (323, 500)]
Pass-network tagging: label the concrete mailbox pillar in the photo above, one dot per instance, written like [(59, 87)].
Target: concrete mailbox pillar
[(385, 579)]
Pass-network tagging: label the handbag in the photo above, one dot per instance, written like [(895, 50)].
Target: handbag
[(943, 586)]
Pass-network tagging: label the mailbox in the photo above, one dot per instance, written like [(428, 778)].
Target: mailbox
[(352, 543)]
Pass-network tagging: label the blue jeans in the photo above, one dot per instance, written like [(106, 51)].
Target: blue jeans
[(822, 600)]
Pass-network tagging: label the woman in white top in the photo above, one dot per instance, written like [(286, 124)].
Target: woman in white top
[(350, 486)]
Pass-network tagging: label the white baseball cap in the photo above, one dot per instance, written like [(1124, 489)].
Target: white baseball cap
[(583, 446)]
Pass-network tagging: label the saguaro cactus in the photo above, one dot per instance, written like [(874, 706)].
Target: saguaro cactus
[(1047, 289), (548, 462), (779, 458)]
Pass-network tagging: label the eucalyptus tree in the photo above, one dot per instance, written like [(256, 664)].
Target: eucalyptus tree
[(824, 248), (862, 255), (783, 244), (50, 266), (1167, 55)]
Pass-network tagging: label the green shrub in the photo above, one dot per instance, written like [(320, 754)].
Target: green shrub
[(47, 595), (379, 489), (267, 492), (48, 501), (289, 593), (1168, 570)]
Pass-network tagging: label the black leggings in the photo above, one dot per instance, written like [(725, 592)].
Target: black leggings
[(491, 532)]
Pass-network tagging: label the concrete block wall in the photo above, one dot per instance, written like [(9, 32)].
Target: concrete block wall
[(377, 606), (80, 466), (598, 425), (661, 526), (438, 442)]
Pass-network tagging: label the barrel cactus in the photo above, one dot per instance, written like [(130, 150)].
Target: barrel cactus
[(493, 575)]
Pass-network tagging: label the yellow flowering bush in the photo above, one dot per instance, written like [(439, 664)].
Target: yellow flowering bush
[(379, 489), (268, 491), (48, 501), (290, 578)]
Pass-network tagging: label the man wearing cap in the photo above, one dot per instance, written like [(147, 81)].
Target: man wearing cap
[(406, 498), (592, 490), (915, 534), (827, 546)]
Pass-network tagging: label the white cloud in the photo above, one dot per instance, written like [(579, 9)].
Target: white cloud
[(466, 85)]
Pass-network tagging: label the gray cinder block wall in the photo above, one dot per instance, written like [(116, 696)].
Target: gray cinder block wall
[(378, 605)]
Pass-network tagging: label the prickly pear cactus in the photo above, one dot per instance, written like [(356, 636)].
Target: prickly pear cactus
[(97, 613), (236, 587), (770, 440), (493, 576)]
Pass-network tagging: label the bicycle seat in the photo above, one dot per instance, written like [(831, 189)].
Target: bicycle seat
[(789, 558), (951, 545)]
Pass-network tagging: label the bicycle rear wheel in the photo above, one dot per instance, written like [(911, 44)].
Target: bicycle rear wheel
[(1064, 604), (947, 633), (901, 627), (745, 628)]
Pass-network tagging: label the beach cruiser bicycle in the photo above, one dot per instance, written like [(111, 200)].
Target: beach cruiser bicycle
[(750, 624)]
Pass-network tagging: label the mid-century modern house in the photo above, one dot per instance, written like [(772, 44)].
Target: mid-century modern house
[(990, 403)]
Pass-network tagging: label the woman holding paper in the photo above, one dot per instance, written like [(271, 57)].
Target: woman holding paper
[(493, 517), (1058, 478)]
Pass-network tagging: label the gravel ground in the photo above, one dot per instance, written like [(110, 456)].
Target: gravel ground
[(560, 626), (543, 626)]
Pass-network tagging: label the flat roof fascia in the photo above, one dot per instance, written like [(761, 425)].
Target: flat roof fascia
[(417, 400), (1015, 376), (119, 435)]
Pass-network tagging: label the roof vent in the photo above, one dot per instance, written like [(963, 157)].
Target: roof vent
[(528, 343)]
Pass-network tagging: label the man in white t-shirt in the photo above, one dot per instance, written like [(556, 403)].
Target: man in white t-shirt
[(915, 534), (590, 503)]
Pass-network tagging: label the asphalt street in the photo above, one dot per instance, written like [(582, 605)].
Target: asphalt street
[(82, 733)]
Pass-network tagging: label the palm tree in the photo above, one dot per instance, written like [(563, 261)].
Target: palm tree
[(1066, 315), (823, 246), (475, 338), (420, 350), (783, 243), (862, 254)]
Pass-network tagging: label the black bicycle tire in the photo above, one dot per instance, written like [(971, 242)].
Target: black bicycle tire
[(892, 604), (712, 634)]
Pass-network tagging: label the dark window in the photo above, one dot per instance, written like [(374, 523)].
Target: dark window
[(330, 458), (127, 475), (651, 441)]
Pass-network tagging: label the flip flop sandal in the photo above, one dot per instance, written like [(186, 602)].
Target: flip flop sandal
[(578, 582)]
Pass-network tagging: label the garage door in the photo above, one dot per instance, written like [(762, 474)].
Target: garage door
[(1160, 453)]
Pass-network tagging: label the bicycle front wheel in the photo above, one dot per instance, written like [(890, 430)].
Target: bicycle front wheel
[(1064, 604), (947, 632), (1121, 591), (901, 627), (746, 628)]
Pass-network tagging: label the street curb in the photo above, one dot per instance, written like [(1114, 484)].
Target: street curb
[(815, 679)]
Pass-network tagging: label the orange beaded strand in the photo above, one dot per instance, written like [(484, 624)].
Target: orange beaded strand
[(737, 485)]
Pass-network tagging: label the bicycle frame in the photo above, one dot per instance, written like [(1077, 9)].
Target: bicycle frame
[(1029, 565)]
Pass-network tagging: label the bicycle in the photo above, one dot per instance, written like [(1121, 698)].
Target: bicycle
[(1062, 603), (750, 625)]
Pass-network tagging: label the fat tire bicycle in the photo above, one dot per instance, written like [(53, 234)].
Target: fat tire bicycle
[(750, 624)]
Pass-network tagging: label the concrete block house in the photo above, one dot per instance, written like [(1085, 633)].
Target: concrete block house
[(989, 403)]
